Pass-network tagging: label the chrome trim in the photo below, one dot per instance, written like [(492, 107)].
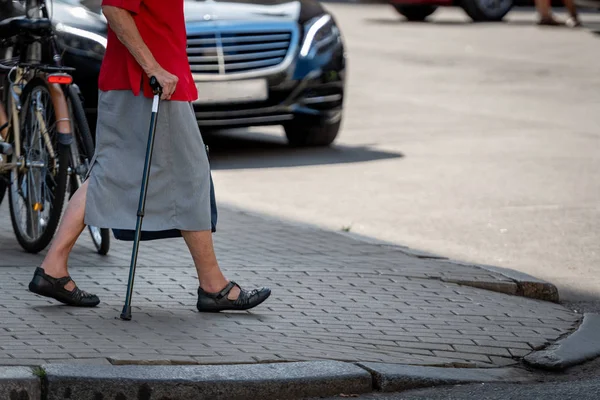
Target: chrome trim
[(322, 99), (268, 46), (247, 120), (272, 54), (245, 27), (268, 61), (283, 36), (220, 53), (242, 113), (201, 41)]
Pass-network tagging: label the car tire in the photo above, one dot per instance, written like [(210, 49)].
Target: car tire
[(487, 10), (301, 134), (415, 13)]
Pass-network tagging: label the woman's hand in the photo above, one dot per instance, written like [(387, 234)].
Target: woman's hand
[(167, 81)]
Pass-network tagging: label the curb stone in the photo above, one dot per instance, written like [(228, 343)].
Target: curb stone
[(527, 285), (19, 383), (398, 377), (215, 382), (265, 381), (577, 348)]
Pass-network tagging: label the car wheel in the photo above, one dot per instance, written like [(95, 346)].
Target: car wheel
[(487, 10), (300, 134), (415, 12)]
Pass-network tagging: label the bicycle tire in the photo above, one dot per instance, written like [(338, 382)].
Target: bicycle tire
[(37, 244), (4, 177), (2, 189), (83, 137), (101, 239)]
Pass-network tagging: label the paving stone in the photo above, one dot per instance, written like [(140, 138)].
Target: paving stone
[(495, 351), (333, 298)]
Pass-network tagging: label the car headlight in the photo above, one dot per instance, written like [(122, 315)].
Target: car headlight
[(80, 42), (319, 32)]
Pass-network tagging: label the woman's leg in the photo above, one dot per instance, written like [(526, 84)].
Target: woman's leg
[(216, 293), (52, 279), (209, 274), (71, 226)]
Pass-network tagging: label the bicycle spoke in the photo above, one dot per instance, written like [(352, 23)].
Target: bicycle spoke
[(36, 184)]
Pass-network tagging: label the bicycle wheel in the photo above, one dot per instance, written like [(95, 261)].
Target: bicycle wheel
[(38, 185), (82, 151), (2, 189)]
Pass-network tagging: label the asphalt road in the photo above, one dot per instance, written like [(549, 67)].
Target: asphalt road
[(580, 382), (583, 390), (475, 141)]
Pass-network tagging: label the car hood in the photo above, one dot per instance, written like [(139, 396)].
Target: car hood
[(73, 13), (69, 13), (252, 10)]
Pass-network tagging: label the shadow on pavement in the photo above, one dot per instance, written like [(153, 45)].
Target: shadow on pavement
[(256, 150)]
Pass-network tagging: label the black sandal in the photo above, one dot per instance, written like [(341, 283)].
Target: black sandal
[(215, 302), (48, 286)]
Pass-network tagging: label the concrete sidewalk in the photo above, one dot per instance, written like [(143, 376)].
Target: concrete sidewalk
[(334, 298)]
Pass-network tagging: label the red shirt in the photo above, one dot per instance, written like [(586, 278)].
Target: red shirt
[(162, 26)]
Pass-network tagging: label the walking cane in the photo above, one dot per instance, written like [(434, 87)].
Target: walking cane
[(157, 90)]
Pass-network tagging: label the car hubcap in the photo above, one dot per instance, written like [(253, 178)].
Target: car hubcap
[(494, 8)]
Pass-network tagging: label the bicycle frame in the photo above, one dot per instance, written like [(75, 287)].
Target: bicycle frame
[(57, 95), (14, 123), (12, 118)]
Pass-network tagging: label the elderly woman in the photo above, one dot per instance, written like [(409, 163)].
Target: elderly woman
[(146, 38)]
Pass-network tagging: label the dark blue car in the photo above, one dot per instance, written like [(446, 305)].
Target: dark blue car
[(279, 62)]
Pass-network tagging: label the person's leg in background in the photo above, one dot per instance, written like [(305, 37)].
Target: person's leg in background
[(544, 10), (3, 122), (573, 20)]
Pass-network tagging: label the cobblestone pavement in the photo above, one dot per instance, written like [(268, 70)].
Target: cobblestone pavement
[(334, 297)]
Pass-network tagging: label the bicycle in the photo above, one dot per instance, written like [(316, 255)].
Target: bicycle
[(41, 149)]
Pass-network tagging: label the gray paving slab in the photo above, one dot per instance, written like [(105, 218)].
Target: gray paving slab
[(262, 381), (334, 298), (583, 345)]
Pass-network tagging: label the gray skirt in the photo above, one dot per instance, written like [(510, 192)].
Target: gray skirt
[(179, 185)]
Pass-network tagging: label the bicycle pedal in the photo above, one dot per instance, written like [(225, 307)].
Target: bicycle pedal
[(6, 149)]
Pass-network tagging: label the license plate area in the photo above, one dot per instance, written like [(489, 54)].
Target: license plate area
[(241, 91)]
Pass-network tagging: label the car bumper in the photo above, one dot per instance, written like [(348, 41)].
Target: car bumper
[(588, 4), (423, 2), (310, 89)]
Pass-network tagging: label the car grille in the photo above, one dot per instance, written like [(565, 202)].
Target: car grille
[(237, 52)]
